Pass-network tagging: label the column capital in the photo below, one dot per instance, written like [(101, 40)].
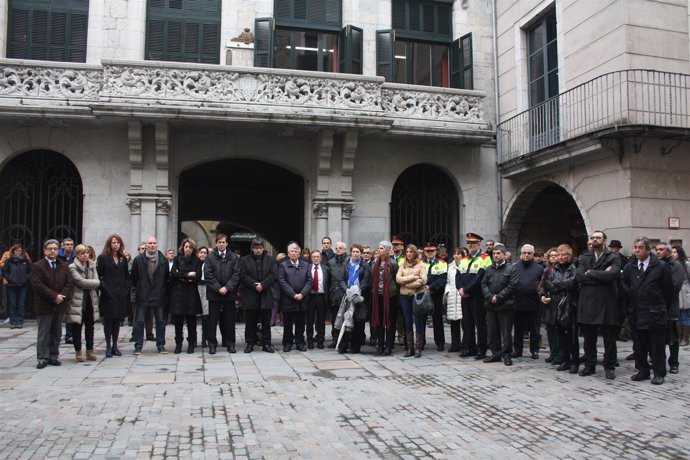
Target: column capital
[(134, 205), (320, 210), (163, 206), (347, 210)]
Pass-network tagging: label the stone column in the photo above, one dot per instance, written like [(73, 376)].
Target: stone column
[(320, 211), (135, 225), (345, 222), (163, 207)]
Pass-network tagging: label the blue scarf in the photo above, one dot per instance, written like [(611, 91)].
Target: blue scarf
[(353, 274)]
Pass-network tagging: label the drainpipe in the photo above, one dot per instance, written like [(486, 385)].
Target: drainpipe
[(499, 183)]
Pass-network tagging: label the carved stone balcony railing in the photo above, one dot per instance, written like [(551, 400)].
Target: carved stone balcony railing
[(613, 100), (180, 91)]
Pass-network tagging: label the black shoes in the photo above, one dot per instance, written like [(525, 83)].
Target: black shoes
[(563, 367), (151, 338), (492, 359), (162, 350), (249, 348), (507, 361), (178, 348), (108, 352), (387, 351), (440, 347), (301, 347), (231, 349), (535, 355), (549, 359), (515, 355), (287, 348), (310, 345), (610, 374), (574, 369), (116, 351), (480, 356), (268, 349), (54, 362), (657, 380), (467, 353), (332, 344), (41, 364), (640, 376), (190, 348), (673, 370), (320, 346), (212, 349), (454, 348), (586, 371), (137, 351)]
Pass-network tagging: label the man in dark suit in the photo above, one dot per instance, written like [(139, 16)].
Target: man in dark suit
[(222, 275), (649, 287), (318, 301), (295, 285), (52, 285), (256, 277)]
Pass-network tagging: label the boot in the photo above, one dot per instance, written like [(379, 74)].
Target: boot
[(190, 347), (389, 341), (419, 343), (80, 356), (685, 336), (108, 348), (409, 344), (90, 355), (379, 341), (178, 345)]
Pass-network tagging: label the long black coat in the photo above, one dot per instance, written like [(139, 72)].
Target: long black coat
[(150, 291), (650, 295), (115, 300), (598, 298), (294, 280), (254, 271), (184, 290), (221, 272), (499, 281)]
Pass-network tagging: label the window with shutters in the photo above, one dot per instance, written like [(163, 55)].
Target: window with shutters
[(183, 31), (308, 35), (420, 50), (49, 30)]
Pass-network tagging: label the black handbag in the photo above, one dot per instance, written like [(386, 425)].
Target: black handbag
[(361, 312), (422, 302), (563, 312)]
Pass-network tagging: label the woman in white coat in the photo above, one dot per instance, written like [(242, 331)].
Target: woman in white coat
[(83, 306), (453, 300)]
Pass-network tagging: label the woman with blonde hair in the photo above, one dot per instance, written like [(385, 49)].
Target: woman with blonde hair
[(115, 291), (412, 277), (83, 306), (184, 302)]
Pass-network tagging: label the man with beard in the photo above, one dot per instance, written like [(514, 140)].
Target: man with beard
[(597, 306), (526, 303)]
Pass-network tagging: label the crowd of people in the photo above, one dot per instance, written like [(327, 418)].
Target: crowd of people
[(491, 304)]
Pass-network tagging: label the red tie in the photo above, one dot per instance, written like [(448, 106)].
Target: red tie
[(316, 279)]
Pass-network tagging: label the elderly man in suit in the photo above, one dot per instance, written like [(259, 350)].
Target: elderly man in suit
[(295, 284), (52, 285)]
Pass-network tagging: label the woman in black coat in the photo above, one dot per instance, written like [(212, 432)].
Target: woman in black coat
[(114, 303), (184, 300)]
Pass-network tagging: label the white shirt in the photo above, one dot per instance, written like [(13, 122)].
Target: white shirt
[(644, 263), (320, 271)]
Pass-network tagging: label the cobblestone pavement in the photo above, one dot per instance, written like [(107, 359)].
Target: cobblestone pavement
[(322, 404)]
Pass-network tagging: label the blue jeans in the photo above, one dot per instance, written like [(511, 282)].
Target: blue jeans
[(159, 317), (15, 304), (409, 316)]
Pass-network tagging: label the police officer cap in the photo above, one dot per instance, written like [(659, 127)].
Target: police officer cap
[(430, 246), (473, 238), (397, 240)]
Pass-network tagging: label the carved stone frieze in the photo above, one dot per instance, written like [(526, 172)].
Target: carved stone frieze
[(433, 106), (49, 82)]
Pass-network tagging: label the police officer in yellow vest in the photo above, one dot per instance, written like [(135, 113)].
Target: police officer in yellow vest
[(468, 281), (437, 272)]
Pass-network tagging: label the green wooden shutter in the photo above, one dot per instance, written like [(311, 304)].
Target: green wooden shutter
[(351, 49), (18, 41), (385, 54), (309, 14), (422, 20), (263, 42), (461, 75)]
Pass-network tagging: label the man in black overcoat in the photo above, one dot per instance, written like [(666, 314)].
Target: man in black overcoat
[(295, 284), (257, 275)]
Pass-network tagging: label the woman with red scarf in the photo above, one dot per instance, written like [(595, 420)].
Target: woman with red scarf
[(384, 299)]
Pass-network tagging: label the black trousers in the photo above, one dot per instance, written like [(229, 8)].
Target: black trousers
[(221, 314), (179, 321), (569, 343), (251, 319), (455, 333), (386, 333), (673, 341), (87, 322), (526, 320), (650, 342), (316, 318), (296, 319), (437, 316), (500, 327), (609, 333), (111, 330), (474, 317)]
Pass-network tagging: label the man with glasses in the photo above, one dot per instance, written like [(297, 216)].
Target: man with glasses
[(468, 281), (437, 270), (52, 284), (597, 306)]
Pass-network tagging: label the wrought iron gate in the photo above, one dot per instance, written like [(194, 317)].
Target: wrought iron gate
[(425, 207), (40, 197)]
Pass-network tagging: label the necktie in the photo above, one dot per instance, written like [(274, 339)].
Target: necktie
[(641, 268), (53, 266), (316, 278), (222, 255)]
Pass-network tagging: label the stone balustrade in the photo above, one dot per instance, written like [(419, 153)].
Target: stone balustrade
[(179, 90)]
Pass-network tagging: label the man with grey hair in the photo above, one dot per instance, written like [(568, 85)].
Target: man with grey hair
[(649, 287), (663, 253), (295, 283), (338, 267), (52, 284), (526, 302)]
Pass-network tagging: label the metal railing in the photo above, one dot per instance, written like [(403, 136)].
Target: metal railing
[(628, 97)]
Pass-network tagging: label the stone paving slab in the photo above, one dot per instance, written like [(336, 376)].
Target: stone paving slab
[(321, 404)]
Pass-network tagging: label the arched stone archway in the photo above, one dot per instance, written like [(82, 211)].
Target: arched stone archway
[(249, 194), (545, 214), (425, 206), (41, 197)]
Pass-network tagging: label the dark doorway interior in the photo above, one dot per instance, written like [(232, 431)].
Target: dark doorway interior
[(425, 207), (245, 194), (553, 218)]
